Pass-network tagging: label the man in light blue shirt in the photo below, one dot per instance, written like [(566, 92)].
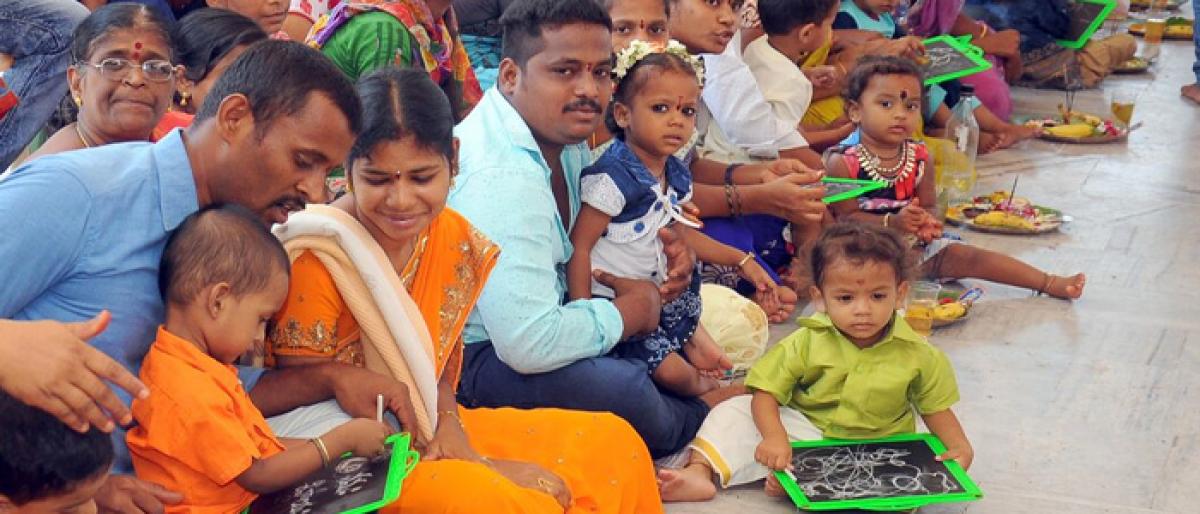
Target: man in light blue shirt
[(84, 231), (522, 154)]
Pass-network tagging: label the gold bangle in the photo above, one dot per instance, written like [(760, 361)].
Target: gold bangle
[(321, 449), (745, 259)]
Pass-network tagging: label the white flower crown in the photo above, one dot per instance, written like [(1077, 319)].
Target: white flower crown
[(638, 50)]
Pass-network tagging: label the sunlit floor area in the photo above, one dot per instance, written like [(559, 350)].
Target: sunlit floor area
[(1090, 406)]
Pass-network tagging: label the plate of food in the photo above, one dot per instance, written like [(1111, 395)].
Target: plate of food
[(996, 214), (1178, 28), (1079, 128), (1142, 5), (1134, 65), (954, 303)]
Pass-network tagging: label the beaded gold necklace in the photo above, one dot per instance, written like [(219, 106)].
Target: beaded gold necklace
[(873, 165)]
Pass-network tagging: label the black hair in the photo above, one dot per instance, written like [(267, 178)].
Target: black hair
[(277, 78), (783, 16), (608, 4), (219, 243), (871, 66), (205, 36), (524, 21), (116, 16), (736, 4), (400, 103), (859, 243), (635, 78), (41, 458)]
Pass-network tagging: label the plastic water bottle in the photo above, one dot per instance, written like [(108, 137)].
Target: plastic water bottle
[(958, 166)]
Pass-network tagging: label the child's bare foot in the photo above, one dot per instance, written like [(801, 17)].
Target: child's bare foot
[(1067, 288), (1021, 132), (704, 353), (773, 488), (990, 142), (693, 483), (1191, 92)]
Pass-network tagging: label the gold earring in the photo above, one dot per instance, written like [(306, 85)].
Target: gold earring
[(349, 188), (183, 98), (78, 101)]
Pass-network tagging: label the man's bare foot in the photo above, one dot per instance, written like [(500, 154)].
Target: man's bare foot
[(720, 394), (705, 354), (773, 488), (693, 483), (1191, 92), (1067, 288)]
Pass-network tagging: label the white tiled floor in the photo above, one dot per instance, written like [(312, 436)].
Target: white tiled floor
[(1091, 406)]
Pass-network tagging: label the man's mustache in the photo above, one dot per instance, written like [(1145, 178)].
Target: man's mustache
[(584, 104)]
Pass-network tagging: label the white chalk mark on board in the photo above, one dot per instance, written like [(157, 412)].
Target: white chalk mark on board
[(853, 472)]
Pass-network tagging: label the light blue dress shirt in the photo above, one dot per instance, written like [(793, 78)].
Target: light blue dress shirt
[(503, 188), (84, 231)]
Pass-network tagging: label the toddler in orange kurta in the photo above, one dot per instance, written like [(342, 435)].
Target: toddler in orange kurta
[(223, 275)]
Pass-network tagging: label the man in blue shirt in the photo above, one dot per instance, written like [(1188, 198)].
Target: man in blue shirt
[(522, 153), (84, 231)]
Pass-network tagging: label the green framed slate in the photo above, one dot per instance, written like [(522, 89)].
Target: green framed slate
[(885, 474), (1087, 16), (952, 57), (839, 189), (352, 485)]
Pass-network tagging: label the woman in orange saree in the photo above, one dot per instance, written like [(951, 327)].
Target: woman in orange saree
[(386, 276)]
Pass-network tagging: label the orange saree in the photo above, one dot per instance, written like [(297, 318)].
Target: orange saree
[(603, 461)]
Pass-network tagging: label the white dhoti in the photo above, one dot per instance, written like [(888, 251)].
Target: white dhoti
[(728, 438)]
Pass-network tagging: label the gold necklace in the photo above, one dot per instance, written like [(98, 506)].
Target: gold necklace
[(82, 139)]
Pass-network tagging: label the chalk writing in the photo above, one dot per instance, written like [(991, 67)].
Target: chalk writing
[(870, 471)]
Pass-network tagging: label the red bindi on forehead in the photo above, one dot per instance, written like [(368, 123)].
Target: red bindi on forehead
[(137, 49)]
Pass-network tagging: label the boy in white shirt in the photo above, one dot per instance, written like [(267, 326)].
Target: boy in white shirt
[(794, 29)]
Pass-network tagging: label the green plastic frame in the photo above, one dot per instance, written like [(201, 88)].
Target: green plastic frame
[(1076, 44), (970, 491), (962, 44), (866, 186), (403, 460)]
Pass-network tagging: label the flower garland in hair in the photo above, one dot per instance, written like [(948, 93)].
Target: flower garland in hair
[(638, 50)]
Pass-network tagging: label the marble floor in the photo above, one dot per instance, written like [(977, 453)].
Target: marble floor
[(1094, 405)]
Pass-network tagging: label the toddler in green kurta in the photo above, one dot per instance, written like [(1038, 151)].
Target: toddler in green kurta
[(854, 370)]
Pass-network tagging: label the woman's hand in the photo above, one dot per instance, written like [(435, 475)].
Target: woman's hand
[(1005, 43), (775, 453), (64, 375), (450, 442), (795, 197), (533, 476)]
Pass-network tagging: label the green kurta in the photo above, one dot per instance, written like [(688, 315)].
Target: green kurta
[(854, 393)]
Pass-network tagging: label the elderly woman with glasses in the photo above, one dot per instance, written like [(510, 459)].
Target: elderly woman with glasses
[(122, 78)]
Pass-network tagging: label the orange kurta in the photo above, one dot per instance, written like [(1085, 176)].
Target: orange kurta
[(602, 459), (198, 430)]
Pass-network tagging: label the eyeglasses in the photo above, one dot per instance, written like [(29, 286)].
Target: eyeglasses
[(114, 68)]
